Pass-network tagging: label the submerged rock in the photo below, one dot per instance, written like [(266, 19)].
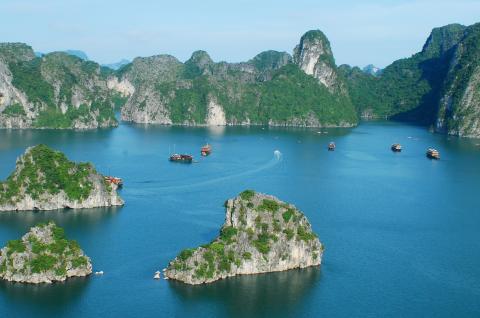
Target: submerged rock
[(43, 255), (261, 234), (44, 179)]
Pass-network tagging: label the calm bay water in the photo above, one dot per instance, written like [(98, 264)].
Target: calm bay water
[(401, 232)]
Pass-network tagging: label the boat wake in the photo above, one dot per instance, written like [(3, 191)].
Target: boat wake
[(277, 158)]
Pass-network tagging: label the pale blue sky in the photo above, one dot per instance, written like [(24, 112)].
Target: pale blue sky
[(361, 32)]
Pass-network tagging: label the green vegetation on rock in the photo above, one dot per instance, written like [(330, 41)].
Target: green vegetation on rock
[(267, 90), (62, 91), (437, 87), (14, 110), (45, 255), (43, 170), (239, 247)]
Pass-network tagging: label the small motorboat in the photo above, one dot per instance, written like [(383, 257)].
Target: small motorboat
[(182, 158), (114, 180), (433, 153), (331, 146), (157, 275), (396, 147), (206, 150), (99, 273)]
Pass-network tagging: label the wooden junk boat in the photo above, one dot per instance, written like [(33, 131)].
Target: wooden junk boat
[(114, 180), (331, 146), (433, 153), (206, 150), (396, 147), (181, 158)]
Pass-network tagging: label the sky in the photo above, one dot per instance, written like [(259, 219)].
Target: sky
[(360, 32)]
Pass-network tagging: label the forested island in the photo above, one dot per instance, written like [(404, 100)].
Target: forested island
[(261, 234), (44, 179), (43, 255)]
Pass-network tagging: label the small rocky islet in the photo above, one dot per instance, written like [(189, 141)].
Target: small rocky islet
[(44, 179), (43, 255), (261, 234)]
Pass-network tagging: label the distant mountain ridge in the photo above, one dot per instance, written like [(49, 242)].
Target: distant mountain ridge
[(437, 87), (116, 66), (80, 54), (372, 70), (273, 88)]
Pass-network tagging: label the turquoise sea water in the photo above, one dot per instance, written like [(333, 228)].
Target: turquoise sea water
[(402, 232)]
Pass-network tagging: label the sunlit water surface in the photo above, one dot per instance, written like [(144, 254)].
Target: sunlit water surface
[(402, 233)]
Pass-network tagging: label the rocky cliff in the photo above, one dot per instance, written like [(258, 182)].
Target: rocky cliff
[(45, 179), (56, 90), (261, 234), (270, 89), (43, 255), (314, 56), (459, 106), (437, 87)]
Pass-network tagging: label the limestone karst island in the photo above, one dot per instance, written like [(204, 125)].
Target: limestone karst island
[(261, 234), (44, 179), (43, 255)]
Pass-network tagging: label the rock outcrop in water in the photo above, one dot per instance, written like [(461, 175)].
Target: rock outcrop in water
[(45, 179), (43, 255), (261, 234)]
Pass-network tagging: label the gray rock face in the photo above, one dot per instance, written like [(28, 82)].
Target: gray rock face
[(146, 103), (56, 90), (261, 234), (314, 56), (459, 109), (34, 186), (43, 255)]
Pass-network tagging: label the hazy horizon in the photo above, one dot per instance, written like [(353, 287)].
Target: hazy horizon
[(360, 34)]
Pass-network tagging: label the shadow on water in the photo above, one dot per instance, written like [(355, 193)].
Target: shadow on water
[(20, 222), (252, 295), (44, 297)]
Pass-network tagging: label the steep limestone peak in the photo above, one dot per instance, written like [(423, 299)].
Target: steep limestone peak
[(261, 234), (443, 39), (313, 46), (200, 58), (14, 52), (314, 56), (152, 69), (270, 60)]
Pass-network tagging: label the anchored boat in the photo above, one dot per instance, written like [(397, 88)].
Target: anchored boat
[(396, 147), (331, 146), (433, 153), (114, 180), (206, 150), (181, 158)]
